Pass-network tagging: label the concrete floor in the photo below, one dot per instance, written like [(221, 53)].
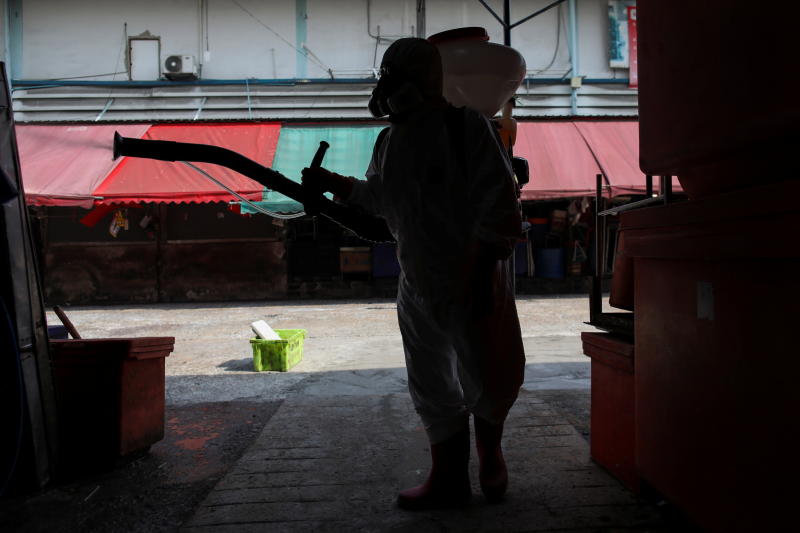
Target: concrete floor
[(344, 437), (350, 348)]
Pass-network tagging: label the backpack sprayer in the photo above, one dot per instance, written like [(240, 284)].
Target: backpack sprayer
[(366, 226)]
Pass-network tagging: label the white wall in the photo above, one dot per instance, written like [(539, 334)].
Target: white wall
[(68, 38), (241, 47), (83, 37), (338, 32), (535, 39), (593, 40)]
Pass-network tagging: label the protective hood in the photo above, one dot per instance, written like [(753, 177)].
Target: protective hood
[(411, 76)]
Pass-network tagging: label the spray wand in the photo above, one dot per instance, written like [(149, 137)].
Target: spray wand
[(366, 226)]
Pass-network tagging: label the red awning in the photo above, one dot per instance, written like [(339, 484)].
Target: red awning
[(565, 158), (615, 147), (72, 165), (62, 165), (147, 180), (560, 163)]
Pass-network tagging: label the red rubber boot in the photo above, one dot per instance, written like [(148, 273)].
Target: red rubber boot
[(448, 481), (493, 472)]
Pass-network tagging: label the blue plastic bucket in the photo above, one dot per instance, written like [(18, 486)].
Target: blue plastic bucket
[(549, 263)]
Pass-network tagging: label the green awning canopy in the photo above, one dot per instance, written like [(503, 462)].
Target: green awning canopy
[(349, 155)]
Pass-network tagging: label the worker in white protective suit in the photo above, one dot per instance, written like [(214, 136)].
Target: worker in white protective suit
[(442, 180)]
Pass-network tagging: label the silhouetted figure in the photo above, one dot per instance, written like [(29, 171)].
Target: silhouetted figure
[(441, 178)]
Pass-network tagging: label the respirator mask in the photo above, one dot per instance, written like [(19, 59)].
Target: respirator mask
[(394, 94)]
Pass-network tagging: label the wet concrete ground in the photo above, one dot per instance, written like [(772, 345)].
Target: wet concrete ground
[(327, 444), (154, 492)]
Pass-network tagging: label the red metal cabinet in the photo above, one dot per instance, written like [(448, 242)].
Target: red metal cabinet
[(717, 296)]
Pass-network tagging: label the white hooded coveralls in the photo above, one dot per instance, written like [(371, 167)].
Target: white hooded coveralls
[(452, 207)]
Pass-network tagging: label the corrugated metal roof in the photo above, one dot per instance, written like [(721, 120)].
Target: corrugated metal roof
[(306, 102)]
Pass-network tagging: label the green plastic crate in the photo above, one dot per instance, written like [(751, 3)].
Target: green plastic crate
[(278, 355)]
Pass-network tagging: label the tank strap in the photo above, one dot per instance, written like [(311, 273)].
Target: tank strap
[(454, 122)]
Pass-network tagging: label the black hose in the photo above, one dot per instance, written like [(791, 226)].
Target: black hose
[(206, 153), (366, 226)]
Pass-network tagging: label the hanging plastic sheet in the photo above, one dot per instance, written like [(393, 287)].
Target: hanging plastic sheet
[(349, 155)]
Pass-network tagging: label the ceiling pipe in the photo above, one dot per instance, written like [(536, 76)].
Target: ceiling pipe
[(421, 19), (301, 36), (13, 35), (574, 58)]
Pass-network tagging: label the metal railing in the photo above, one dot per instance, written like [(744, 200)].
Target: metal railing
[(616, 322)]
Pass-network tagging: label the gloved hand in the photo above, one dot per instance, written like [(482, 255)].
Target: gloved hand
[(311, 200), (321, 180)]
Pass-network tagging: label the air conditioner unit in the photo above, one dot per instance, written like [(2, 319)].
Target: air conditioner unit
[(180, 67)]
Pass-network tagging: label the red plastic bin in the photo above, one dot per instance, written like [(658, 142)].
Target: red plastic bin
[(110, 396), (613, 434)]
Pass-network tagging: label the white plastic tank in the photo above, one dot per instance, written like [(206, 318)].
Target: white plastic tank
[(477, 73)]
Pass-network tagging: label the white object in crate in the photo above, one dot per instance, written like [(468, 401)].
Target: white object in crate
[(263, 331)]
